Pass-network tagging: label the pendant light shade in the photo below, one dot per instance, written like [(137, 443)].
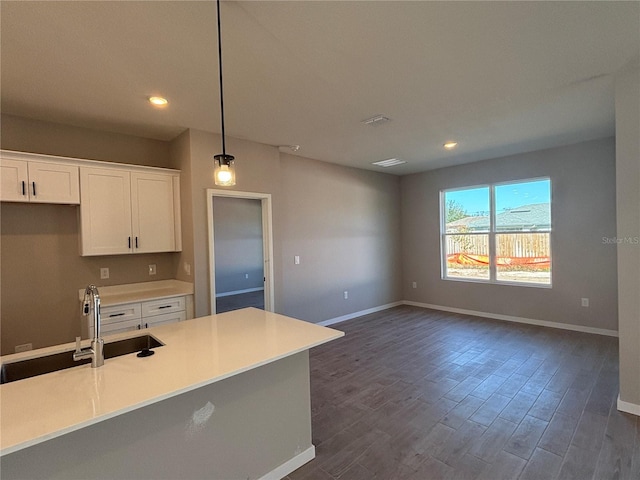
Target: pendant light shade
[(224, 173)]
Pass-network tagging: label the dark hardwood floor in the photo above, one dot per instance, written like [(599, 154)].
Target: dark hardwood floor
[(242, 300), (418, 394)]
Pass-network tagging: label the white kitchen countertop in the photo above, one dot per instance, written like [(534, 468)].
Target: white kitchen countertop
[(139, 292), (197, 352)]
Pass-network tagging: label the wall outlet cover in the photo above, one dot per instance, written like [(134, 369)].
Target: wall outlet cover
[(104, 273), (152, 269)]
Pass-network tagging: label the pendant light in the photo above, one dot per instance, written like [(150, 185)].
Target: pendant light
[(224, 172)]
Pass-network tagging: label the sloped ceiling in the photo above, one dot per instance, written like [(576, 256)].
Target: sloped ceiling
[(498, 77)]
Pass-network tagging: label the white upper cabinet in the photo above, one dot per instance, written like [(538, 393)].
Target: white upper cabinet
[(38, 182), (123, 208), (105, 211), (128, 211), (152, 209)]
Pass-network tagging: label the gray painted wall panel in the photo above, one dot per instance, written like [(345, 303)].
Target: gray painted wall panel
[(583, 213)]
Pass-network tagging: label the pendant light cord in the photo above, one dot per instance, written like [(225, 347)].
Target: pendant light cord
[(224, 151)]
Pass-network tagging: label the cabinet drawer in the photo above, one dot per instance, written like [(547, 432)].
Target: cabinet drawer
[(160, 307), (164, 318), (120, 313), (117, 327)]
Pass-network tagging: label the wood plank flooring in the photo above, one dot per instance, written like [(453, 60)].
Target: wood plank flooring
[(417, 394), (241, 300)]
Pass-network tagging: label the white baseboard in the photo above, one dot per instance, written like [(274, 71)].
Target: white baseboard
[(290, 465), (628, 407), (510, 318), (238, 292), (349, 316)]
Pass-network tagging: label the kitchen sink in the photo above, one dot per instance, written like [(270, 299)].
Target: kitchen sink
[(19, 370)]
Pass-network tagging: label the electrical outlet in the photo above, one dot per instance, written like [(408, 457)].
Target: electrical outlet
[(152, 269), (346, 295), (296, 260), (585, 302), (25, 347), (246, 275), (104, 273), (187, 268), (414, 284)]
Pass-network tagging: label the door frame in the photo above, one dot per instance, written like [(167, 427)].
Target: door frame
[(267, 243)]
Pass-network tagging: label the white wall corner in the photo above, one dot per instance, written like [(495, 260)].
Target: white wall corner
[(628, 407), (291, 465)]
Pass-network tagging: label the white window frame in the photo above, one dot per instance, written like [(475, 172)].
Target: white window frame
[(492, 233)]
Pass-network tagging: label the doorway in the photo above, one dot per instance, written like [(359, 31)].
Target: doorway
[(240, 250)]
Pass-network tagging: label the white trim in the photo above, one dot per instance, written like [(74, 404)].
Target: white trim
[(628, 407), (80, 162), (267, 243), (349, 316), (239, 292), (511, 318), (291, 465)]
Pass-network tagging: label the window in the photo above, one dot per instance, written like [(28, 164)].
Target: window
[(498, 233)]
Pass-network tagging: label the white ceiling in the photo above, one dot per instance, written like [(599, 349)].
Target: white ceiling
[(498, 77)]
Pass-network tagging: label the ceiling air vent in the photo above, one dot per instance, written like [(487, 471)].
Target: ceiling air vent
[(391, 162), (376, 120)]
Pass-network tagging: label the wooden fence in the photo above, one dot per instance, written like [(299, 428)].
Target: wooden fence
[(507, 244)]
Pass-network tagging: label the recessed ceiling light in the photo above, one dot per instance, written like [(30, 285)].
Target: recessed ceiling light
[(450, 145), (376, 120), (389, 162), (158, 101)]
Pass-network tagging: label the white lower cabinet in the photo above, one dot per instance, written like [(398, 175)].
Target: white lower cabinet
[(140, 315)]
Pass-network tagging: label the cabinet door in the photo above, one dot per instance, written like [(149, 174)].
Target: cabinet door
[(53, 183), (105, 211), (13, 181), (153, 212), (163, 319)]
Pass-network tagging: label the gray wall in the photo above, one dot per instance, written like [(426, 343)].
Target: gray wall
[(583, 212), (257, 169), (238, 244), (342, 222), (27, 135), (39, 243), (344, 225), (628, 201)]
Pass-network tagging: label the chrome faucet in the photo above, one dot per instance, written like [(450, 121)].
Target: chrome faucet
[(91, 303)]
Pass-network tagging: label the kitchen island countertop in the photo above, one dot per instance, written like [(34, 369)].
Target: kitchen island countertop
[(196, 353)]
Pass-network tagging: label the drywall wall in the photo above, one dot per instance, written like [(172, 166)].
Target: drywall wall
[(344, 225), (35, 136), (342, 222), (628, 231), (41, 270), (237, 232), (257, 170), (583, 216)]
